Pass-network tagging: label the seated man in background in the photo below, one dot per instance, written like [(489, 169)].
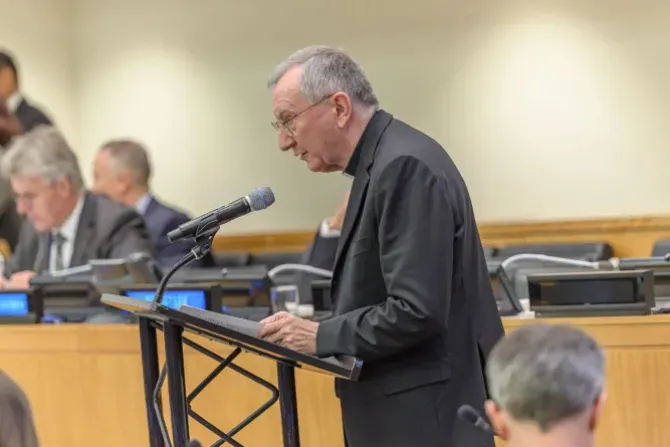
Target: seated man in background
[(121, 171), (27, 114), (66, 225), (547, 387), (321, 253)]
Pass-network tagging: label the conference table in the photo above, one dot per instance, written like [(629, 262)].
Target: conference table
[(85, 386)]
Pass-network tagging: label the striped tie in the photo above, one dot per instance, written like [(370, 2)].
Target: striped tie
[(58, 241)]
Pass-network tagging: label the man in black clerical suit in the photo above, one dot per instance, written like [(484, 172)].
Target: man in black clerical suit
[(412, 293)]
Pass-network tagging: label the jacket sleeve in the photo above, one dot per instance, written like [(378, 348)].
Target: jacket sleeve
[(129, 235), (415, 236)]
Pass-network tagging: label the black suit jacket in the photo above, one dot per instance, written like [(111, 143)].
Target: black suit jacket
[(413, 295), (160, 219), (106, 230), (30, 116)]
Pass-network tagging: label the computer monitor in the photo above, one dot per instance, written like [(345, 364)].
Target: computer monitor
[(109, 275), (202, 297), (595, 293), (247, 286), (19, 306), (71, 299)]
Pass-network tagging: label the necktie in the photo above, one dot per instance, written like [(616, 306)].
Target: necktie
[(58, 241)]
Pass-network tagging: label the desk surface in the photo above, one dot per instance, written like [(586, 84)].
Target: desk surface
[(85, 386)]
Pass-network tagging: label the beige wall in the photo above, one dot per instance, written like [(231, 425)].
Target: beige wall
[(558, 110), (38, 33)]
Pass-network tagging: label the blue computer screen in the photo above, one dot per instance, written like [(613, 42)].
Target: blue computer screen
[(173, 298), (13, 304)]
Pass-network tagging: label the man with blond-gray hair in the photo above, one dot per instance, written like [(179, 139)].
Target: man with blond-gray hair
[(66, 225), (547, 385), (412, 293), (121, 171)]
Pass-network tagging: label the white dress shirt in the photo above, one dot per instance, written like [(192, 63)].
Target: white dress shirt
[(14, 101), (142, 205), (325, 231), (69, 231)]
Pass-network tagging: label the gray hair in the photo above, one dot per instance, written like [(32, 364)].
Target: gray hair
[(43, 152), (130, 155), (545, 374), (17, 426), (325, 71)]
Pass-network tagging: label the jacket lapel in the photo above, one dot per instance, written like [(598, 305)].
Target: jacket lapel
[(367, 147), (42, 255), (85, 232)]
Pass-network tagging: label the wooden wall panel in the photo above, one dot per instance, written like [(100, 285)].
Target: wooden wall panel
[(629, 237)]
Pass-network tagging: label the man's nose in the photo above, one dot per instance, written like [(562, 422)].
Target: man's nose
[(21, 207), (285, 139)]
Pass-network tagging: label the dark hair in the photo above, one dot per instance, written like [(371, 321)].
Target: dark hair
[(6, 60)]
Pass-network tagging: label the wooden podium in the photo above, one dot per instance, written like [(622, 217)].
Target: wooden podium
[(227, 330)]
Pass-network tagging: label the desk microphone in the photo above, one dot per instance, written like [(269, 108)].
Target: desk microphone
[(653, 262), (258, 199), (469, 414)]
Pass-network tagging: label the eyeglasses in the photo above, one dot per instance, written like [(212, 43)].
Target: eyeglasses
[(286, 124)]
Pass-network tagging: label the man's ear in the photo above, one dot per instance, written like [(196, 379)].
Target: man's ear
[(498, 419), (597, 411), (343, 108)]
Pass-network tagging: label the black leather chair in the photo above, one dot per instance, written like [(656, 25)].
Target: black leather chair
[(273, 259), (490, 252), (661, 247), (231, 259)]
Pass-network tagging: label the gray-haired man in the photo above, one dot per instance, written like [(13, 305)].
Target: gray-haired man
[(412, 295), (547, 386), (66, 226)]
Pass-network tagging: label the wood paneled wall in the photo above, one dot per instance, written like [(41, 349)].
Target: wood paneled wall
[(630, 237)]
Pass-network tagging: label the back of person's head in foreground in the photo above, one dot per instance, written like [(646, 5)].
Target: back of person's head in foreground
[(17, 428), (322, 102), (547, 385)]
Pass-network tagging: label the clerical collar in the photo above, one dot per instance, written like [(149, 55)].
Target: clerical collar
[(366, 139)]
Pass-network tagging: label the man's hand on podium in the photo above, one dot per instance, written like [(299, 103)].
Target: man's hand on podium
[(293, 332)]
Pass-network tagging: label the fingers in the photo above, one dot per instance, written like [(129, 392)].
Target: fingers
[(275, 317), (271, 328)]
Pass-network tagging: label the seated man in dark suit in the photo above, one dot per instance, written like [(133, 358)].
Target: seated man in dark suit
[(121, 171), (66, 226), (321, 253)]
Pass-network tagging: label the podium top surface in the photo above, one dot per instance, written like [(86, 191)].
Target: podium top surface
[(236, 332)]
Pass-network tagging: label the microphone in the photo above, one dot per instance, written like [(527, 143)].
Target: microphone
[(469, 414), (622, 264), (194, 443), (258, 199)]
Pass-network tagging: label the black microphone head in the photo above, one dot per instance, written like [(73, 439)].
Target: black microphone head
[(194, 443), (467, 413), (261, 198)]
